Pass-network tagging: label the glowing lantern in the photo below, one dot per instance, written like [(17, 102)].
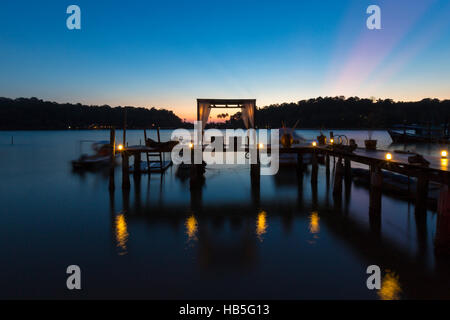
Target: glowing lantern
[(314, 144), (388, 156), (120, 147), (331, 141), (444, 154), (260, 146)]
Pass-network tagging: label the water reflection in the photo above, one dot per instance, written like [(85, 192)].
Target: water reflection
[(314, 226), (121, 233), (261, 225), (390, 287), (191, 225)]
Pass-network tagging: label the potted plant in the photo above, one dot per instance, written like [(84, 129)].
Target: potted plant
[(371, 144), (322, 138)]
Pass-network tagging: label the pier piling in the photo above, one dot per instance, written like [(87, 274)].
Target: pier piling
[(337, 188), (442, 239), (375, 196), (299, 164), (255, 169), (125, 171), (112, 142), (314, 167), (327, 167), (421, 194)]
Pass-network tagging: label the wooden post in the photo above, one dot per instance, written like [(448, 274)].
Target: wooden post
[(194, 181), (148, 157), (348, 179), (421, 194), (376, 182), (112, 142), (125, 170), (337, 189), (327, 169), (299, 163), (314, 167), (137, 164), (125, 128), (348, 171), (255, 169), (300, 190), (442, 239)]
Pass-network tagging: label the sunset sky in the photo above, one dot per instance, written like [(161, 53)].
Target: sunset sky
[(168, 53)]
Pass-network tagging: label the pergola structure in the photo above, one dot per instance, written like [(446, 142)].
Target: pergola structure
[(247, 106)]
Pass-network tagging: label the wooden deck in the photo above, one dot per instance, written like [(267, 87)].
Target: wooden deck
[(437, 171)]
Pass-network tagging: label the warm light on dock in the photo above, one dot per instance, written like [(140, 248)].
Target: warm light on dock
[(444, 154), (120, 147), (331, 141), (260, 146), (388, 156), (314, 144), (191, 145)]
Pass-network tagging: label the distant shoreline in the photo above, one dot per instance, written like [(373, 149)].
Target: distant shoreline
[(149, 129)]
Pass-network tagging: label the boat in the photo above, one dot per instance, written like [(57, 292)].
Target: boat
[(420, 134), (101, 158)]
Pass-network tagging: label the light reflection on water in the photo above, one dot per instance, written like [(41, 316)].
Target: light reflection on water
[(191, 228), (314, 219), (237, 235), (121, 233), (390, 286), (261, 225)]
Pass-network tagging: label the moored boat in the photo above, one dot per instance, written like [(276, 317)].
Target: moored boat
[(419, 134), (101, 158)]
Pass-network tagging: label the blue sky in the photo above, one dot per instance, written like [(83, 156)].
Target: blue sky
[(168, 53)]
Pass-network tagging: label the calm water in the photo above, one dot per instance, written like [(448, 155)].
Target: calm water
[(161, 241)]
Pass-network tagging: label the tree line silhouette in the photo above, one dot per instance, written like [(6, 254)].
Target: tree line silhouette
[(328, 112), (338, 112), (32, 113)]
